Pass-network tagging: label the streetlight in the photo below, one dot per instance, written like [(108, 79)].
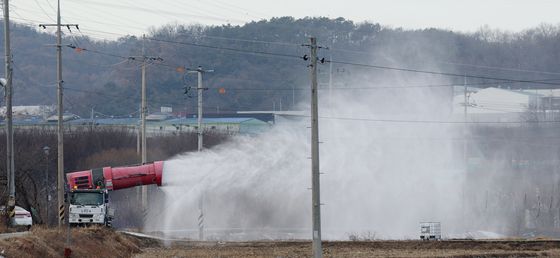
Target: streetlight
[(47, 194)]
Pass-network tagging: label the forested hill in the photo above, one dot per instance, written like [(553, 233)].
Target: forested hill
[(259, 65)]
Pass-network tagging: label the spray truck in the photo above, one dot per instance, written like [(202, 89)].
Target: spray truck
[(88, 191)]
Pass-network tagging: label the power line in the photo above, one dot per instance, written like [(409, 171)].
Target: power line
[(340, 62), (500, 68), (355, 88), (99, 12), (79, 49), (192, 7), (252, 40), (163, 13), (543, 81), (430, 121), (439, 73), (102, 65), (129, 58), (226, 48), (453, 63), (43, 10), (360, 88), (342, 118), (356, 64), (242, 9)]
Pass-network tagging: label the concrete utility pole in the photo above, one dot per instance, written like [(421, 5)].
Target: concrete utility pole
[(330, 80), (60, 120), (143, 113), (199, 89), (138, 136), (60, 113), (139, 149), (143, 107), (315, 180), (465, 126), (199, 71), (201, 218), (92, 121), (465, 148), (46, 150), (10, 167)]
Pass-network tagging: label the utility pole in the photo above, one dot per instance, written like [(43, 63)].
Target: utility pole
[(60, 120), (200, 71), (138, 149), (201, 218), (465, 126), (60, 113), (199, 90), (92, 121), (143, 113), (293, 96), (10, 167), (143, 106), (465, 148), (46, 150), (138, 136), (330, 79), (315, 180)]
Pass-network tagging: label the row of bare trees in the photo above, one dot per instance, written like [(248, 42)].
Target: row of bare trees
[(84, 149), (513, 184)]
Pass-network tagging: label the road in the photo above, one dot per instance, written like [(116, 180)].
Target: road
[(15, 234)]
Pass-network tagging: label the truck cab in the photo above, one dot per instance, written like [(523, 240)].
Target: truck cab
[(88, 190), (89, 206)]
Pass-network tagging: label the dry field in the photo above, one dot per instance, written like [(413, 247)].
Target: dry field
[(102, 242), (466, 248)]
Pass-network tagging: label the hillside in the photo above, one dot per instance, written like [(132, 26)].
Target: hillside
[(101, 77)]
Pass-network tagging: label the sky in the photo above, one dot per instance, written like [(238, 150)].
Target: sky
[(109, 19)]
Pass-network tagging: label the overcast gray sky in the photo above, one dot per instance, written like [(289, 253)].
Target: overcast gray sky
[(112, 18)]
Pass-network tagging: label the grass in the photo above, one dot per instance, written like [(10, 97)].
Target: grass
[(84, 242)]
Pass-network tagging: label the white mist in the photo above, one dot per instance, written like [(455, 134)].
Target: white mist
[(381, 178)]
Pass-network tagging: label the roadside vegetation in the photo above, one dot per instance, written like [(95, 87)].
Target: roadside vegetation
[(84, 242)]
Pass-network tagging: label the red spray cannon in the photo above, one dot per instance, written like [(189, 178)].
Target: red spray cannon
[(116, 178)]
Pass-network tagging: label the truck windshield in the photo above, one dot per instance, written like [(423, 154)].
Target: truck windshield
[(81, 198)]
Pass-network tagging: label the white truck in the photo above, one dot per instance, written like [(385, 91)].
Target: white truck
[(90, 206), (88, 192)]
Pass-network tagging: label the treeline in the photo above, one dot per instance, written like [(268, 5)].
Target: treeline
[(111, 84), (513, 180)]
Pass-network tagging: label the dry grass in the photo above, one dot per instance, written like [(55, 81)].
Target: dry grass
[(85, 242), (103, 242), (361, 249)]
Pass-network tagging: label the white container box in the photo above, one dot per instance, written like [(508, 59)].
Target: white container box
[(430, 230)]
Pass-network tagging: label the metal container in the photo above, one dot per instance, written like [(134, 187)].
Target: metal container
[(430, 230)]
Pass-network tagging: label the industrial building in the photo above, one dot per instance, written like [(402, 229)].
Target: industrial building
[(507, 105), (157, 124)]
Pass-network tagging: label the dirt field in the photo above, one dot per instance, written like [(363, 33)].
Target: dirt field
[(102, 242), (467, 248)]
